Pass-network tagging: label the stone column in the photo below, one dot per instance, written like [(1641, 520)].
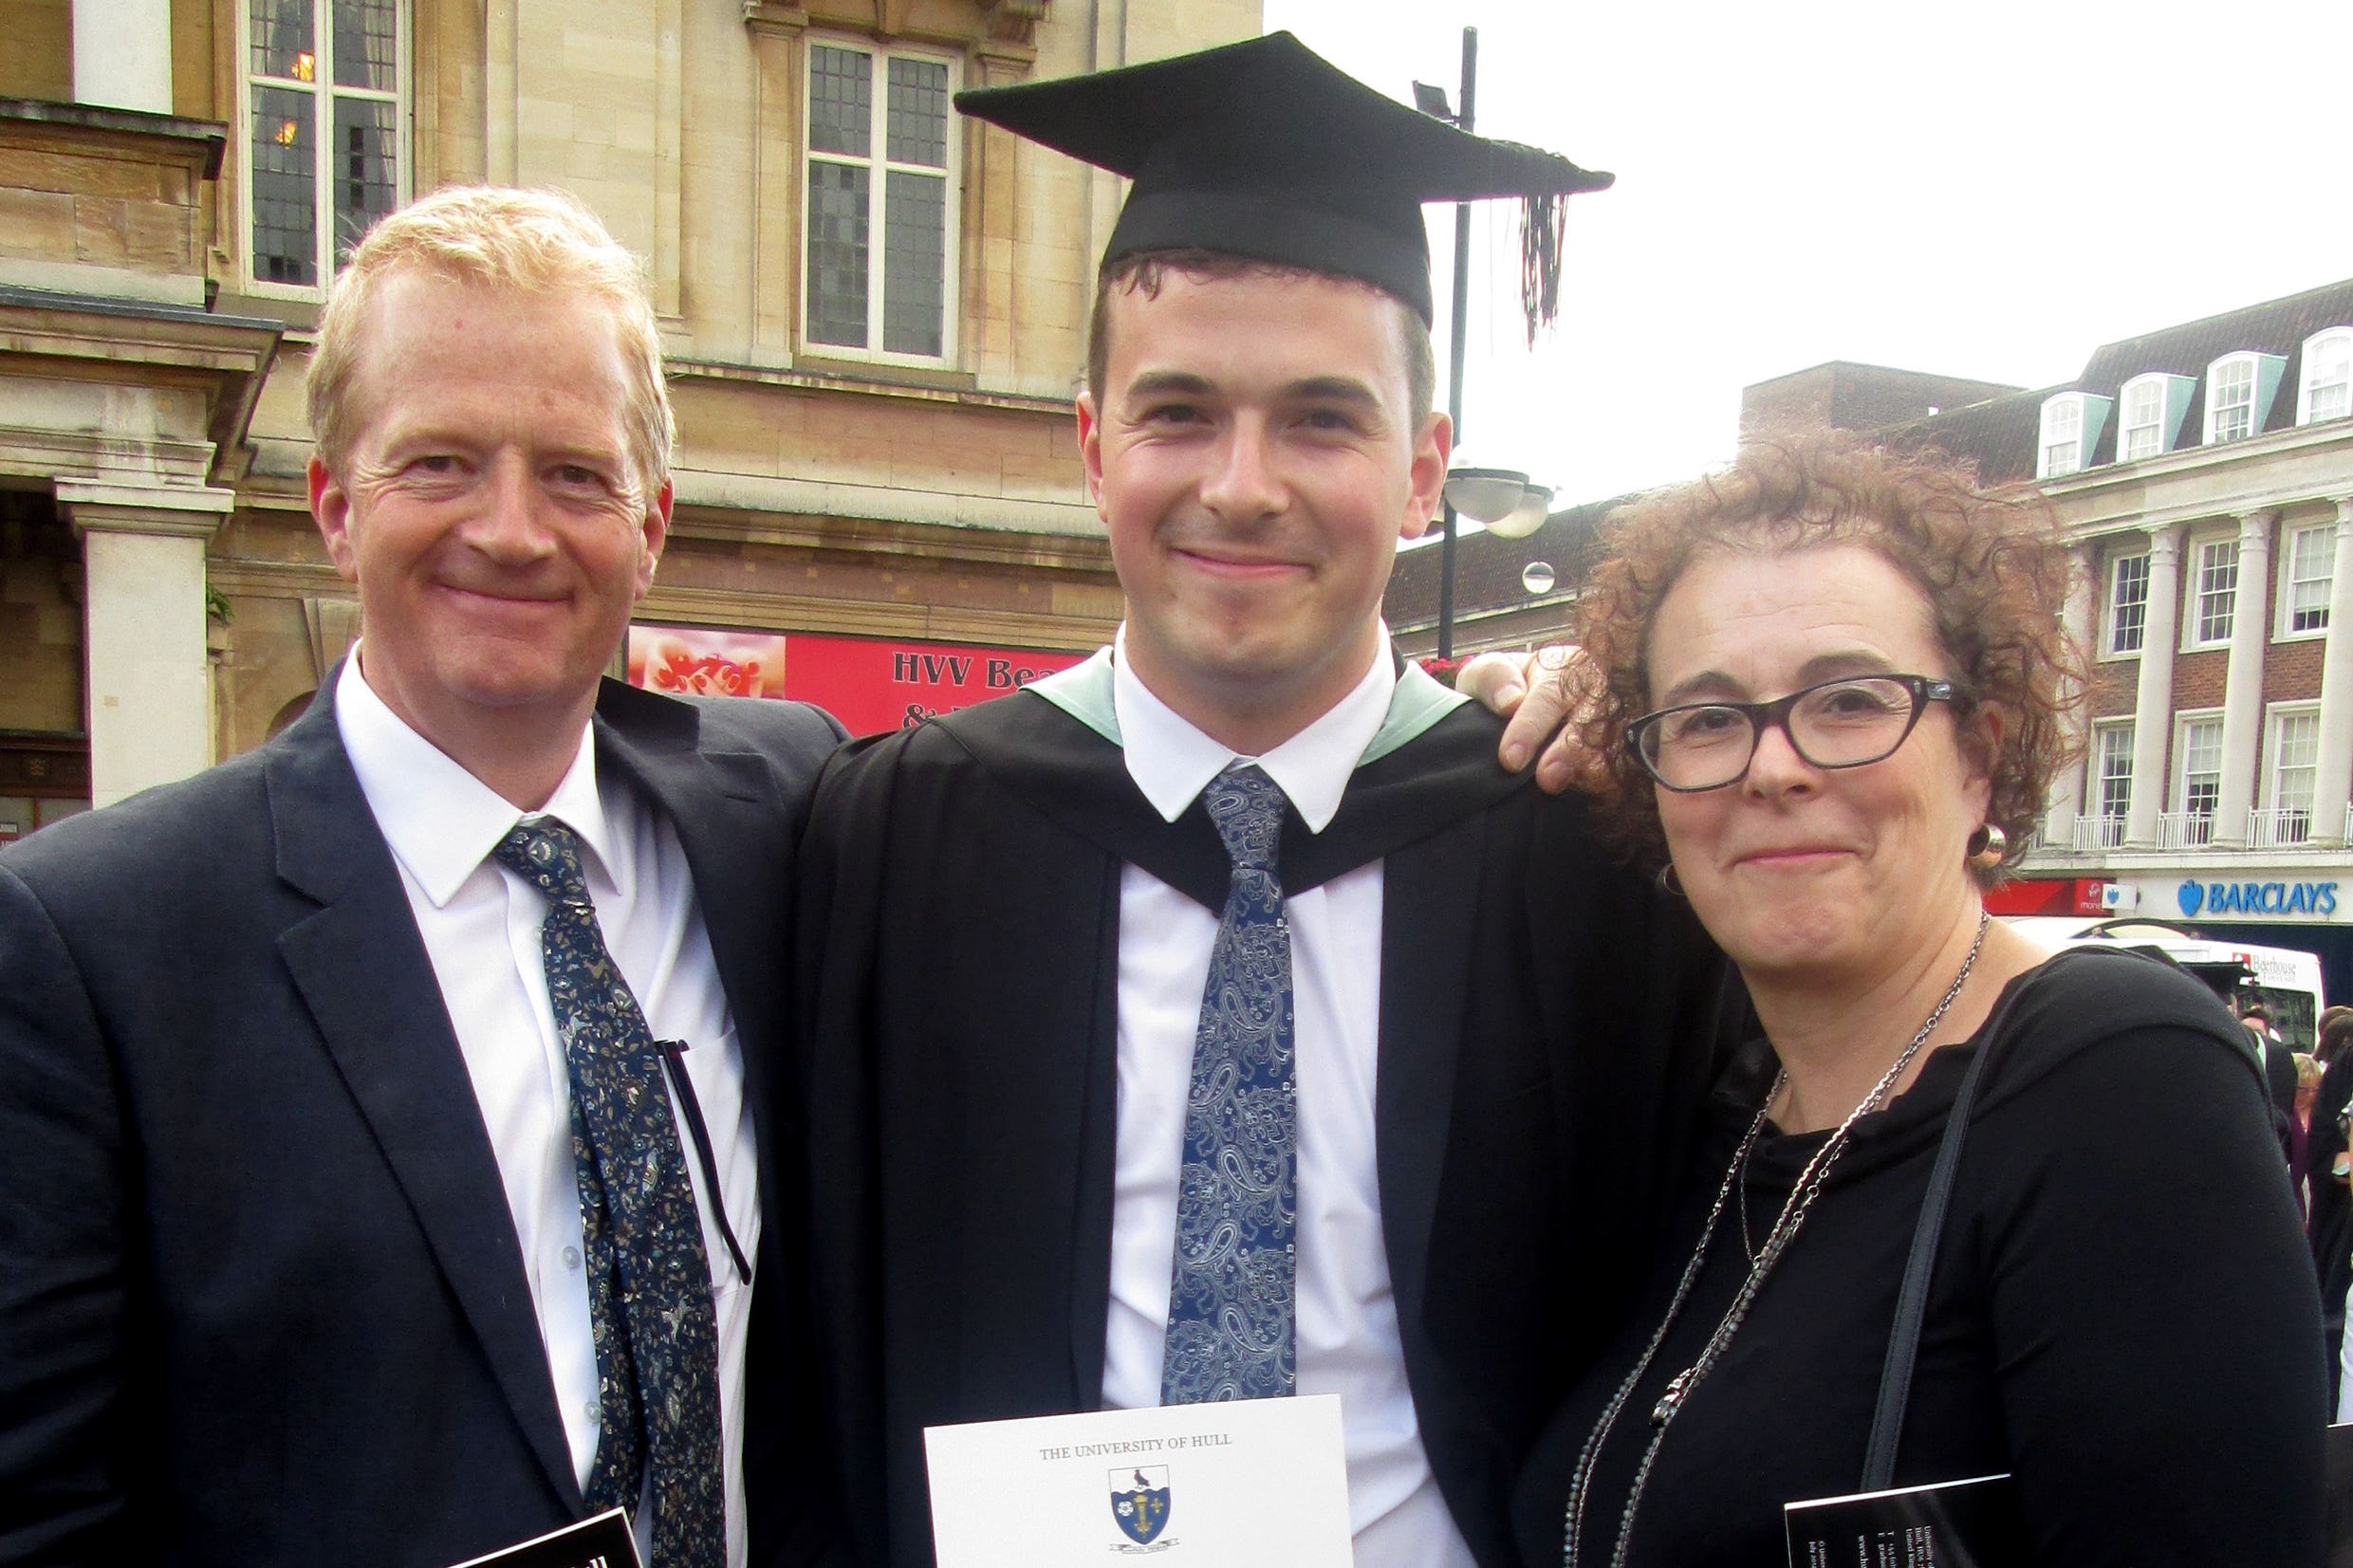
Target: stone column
[(2242, 701), (2333, 781), (122, 54), (776, 178), (148, 684), (2153, 702), (2067, 791)]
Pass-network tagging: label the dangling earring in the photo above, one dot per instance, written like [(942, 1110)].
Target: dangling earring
[(1987, 848), (1668, 882)]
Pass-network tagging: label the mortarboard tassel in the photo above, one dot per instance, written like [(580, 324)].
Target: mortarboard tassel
[(1543, 223)]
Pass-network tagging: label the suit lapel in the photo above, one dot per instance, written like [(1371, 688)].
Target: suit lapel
[(362, 968)]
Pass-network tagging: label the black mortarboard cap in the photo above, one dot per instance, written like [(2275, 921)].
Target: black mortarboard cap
[(1265, 148)]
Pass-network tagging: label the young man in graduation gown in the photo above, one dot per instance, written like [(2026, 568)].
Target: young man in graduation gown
[(1217, 1018)]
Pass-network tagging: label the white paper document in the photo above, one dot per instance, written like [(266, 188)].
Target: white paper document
[(1250, 1484)]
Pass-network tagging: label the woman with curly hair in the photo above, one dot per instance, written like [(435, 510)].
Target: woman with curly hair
[(1829, 695)]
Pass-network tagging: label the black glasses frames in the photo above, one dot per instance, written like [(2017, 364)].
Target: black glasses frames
[(1850, 722)]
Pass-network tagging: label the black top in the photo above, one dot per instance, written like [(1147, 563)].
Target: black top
[(2122, 1313)]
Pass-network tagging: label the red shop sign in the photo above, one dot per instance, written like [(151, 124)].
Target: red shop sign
[(868, 684)]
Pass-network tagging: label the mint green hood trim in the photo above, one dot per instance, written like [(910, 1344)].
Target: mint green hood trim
[(1418, 703), (1083, 692)]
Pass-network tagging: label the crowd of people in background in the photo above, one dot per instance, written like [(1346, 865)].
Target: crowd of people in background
[(2320, 1164)]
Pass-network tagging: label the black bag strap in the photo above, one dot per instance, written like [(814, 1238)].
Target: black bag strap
[(1903, 1341)]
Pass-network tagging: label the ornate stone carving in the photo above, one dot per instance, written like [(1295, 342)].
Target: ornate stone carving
[(996, 25), (1015, 21)]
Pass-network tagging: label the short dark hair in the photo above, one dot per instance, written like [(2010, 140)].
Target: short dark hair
[(1143, 272), (1995, 570)]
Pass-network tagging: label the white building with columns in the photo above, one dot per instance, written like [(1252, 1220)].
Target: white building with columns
[(2207, 470)]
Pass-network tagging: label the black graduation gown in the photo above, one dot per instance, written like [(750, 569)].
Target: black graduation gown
[(1546, 1022)]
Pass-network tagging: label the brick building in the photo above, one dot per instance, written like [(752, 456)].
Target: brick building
[(874, 315), (2207, 470)]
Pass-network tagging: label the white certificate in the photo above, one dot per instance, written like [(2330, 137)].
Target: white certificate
[(1249, 1484)]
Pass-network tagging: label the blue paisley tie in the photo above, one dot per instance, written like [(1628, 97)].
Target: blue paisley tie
[(649, 1280), (1231, 1329)]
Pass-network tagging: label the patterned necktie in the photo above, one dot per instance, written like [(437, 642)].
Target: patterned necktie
[(649, 1280), (1231, 1329)]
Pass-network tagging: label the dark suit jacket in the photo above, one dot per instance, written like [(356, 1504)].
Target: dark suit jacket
[(1544, 1025), (261, 1299)]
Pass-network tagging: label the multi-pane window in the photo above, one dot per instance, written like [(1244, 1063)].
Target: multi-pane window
[(2310, 576), (2143, 434), (2217, 590), (2201, 775), (2295, 767), (2231, 399), (323, 149), (2327, 377), (2128, 603), (2062, 436), (878, 217), (2112, 784)]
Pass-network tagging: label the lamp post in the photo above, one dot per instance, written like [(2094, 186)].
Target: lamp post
[(1432, 101), (1501, 498)]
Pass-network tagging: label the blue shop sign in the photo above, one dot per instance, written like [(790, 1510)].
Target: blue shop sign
[(2214, 900)]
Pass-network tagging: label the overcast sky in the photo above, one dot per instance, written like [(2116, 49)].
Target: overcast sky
[(1988, 188)]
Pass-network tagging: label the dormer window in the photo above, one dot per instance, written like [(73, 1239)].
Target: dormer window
[(2230, 400), (2154, 405), (2071, 424), (2238, 395), (2328, 391)]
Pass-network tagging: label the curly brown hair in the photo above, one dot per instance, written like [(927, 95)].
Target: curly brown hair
[(1994, 570)]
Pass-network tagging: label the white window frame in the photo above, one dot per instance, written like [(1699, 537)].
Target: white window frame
[(2291, 539), (2109, 640), (2179, 794), (2095, 776), (951, 294), (2193, 633), (2062, 425), (2228, 363), (2335, 340), (2275, 720), (325, 91), (2158, 384)]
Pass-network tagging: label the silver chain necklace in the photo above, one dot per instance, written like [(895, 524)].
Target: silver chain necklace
[(1809, 1185)]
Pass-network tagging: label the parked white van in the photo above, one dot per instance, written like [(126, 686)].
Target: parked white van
[(2286, 980)]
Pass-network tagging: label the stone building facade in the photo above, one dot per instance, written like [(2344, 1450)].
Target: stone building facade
[(874, 316)]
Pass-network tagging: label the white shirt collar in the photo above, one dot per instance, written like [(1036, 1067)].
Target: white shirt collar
[(1172, 762), (441, 821)]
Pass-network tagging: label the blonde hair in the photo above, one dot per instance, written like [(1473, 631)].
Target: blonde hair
[(529, 240)]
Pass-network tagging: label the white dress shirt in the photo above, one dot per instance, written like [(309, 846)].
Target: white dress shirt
[(1348, 1329), (480, 924)]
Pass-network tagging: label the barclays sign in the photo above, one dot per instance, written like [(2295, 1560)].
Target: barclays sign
[(2254, 900)]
